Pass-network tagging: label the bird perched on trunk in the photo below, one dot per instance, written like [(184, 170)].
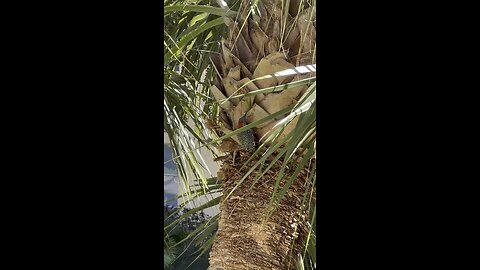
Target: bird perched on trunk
[(245, 140), (247, 137)]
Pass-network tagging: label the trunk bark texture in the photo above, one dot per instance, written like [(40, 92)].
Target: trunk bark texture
[(243, 241)]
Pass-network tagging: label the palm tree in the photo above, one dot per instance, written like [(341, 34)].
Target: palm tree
[(247, 92)]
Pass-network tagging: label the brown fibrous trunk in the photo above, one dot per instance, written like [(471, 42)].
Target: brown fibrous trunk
[(244, 239)]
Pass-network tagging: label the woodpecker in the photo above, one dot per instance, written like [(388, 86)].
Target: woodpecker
[(246, 138)]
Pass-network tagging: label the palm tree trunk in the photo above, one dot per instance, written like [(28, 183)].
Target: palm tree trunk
[(242, 241), (246, 239)]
